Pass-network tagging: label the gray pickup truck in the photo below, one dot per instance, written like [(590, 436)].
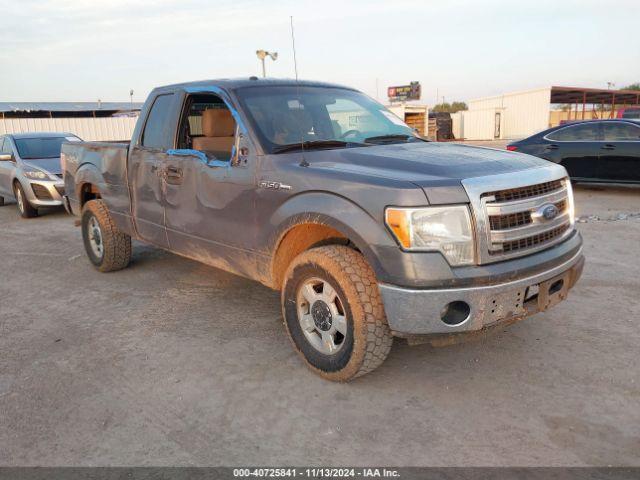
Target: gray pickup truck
[(318, 191)]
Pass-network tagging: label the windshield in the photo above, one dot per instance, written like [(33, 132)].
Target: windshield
[(47, 147), (320, 117)]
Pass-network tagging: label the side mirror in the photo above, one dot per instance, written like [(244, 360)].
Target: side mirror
[(7, 157)]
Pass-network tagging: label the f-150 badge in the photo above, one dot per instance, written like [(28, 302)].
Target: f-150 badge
[(274, 185)]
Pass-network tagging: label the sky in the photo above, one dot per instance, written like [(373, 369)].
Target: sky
[(84, 50)]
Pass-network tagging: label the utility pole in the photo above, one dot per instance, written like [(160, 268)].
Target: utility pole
[(262, 54)]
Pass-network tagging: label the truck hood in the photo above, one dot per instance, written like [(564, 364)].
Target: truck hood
[(424, 164), (48, 165)]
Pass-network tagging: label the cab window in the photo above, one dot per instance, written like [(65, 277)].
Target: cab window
[(208, 126), (155, 135)]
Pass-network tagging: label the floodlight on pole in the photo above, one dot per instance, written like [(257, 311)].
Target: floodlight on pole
[(262, 54)]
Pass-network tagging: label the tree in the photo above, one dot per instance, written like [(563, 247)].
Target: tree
[(449, 107), (633, 86)]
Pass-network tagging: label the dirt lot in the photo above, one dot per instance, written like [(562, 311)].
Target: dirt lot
[(173, 363)]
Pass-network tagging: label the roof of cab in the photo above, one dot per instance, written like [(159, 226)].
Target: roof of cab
[(236, 83), (40, 135)]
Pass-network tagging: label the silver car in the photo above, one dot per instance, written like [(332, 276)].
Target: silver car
[(30, 170)]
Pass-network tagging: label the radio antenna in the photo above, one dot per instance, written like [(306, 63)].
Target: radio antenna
[(303, 163), (293, 42)]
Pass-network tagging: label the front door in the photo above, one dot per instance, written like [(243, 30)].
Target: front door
[(576, 147), (620, 152), (147, 160), (210, 196)]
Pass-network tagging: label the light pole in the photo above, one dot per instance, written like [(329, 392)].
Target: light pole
[(262, 54), (131, 99)]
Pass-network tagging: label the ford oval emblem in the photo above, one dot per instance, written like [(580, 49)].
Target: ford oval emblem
[(549, 211)]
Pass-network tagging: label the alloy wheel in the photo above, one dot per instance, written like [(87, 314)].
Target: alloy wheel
[(322, 316)]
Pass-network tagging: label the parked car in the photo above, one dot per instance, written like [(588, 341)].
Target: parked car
[(30, 170), (591, 151), (318, 191)]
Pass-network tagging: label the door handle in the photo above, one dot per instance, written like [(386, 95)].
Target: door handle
[(173, 172), (172, 175), (552, 147), (608, 146)]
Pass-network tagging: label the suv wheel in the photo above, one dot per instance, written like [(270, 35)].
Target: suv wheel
[(334, 314), (107, 247), (24, 207)]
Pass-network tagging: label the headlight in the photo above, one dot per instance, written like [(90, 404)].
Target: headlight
[(443, 229), (572, 208), (36, 175)]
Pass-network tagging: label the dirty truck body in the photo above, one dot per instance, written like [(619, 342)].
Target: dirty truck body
[(318, 191)]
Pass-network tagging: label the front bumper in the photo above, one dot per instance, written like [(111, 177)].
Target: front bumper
[(420, 312), (43, 193)]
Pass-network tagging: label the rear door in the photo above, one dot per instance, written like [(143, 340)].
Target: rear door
[(577, 148), (146, 166), (620, 152)]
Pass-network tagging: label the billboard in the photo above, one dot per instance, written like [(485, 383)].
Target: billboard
[(404, 92)]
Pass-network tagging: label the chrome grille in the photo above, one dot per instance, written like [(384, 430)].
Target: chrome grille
[(511, 220), (512, 194), (516, 224), (509, 208)]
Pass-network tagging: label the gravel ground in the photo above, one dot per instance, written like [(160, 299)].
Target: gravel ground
[(170, 362)]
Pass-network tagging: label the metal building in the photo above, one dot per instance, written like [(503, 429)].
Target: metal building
[(103, 121), (520, 114)]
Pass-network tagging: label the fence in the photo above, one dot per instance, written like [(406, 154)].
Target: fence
[(90, 129)]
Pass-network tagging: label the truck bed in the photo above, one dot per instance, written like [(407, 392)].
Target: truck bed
[(103, 164)]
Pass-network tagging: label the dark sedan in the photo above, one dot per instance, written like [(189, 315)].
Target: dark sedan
[(591, 151)]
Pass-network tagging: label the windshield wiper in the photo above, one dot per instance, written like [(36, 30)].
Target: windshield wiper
[(391, 138), (315, 144)]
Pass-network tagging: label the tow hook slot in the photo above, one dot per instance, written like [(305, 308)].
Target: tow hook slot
[(556, 286)]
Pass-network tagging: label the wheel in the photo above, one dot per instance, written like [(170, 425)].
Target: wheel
[(107, 248), (334, 314), (1, 201), (24, 207)]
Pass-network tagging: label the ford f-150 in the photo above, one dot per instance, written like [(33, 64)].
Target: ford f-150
[(369, 231)]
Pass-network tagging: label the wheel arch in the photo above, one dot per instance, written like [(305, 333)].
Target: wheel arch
[(302, 226), (88, 181)]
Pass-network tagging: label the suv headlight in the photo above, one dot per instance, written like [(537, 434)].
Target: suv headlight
[(35, 175), (443, 229)]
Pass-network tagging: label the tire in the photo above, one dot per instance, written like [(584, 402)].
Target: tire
[(24, 207), (1, 201), (107, 248), (356, 309)]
